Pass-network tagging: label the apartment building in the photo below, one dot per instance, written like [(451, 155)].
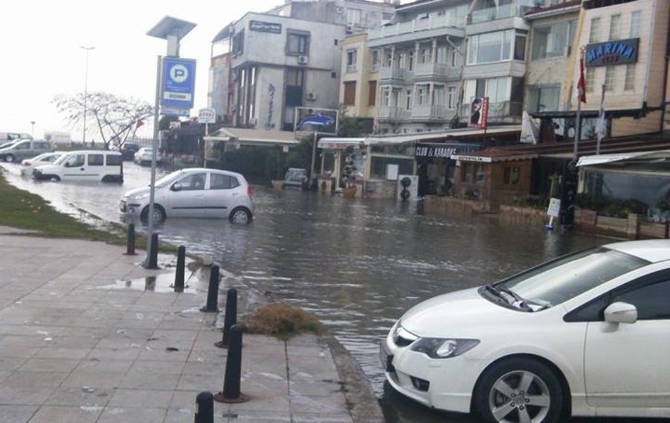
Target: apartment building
[(359, 78), (420, 56)]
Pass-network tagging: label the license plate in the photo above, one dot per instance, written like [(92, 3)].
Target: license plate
[(386, 358)]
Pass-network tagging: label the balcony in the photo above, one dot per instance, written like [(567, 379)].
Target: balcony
[(391, 113), (437, 72), (417, 28), (429, 113), (397, 75), (495, 13), (499, 112)]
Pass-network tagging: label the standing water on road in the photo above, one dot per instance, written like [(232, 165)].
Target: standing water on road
[(358, 264)]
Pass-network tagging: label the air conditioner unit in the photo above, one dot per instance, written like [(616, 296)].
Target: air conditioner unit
[(311, 97), (303, 60), (350, 28), (408, 187)]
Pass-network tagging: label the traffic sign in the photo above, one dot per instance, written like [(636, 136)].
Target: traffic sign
[(207, 115), (178, 85)]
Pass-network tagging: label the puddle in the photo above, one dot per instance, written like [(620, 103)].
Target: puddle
[(159, 283)]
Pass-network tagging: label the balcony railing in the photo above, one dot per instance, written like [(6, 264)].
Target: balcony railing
[(416, 25), (387, 73), (429, 112), (394, 113), (495, 13), (437, 71)]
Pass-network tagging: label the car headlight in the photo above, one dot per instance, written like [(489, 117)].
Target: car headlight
[(139, 197), (443, 348)]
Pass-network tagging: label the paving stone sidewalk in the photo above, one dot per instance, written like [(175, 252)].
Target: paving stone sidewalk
[(88, 335)]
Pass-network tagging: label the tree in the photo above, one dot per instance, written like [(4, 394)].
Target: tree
[(116, 117)]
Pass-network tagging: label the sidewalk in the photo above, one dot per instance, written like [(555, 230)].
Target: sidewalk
[(89, 335)]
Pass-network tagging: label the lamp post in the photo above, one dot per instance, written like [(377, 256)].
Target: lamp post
[(32, 128), (87, 49)]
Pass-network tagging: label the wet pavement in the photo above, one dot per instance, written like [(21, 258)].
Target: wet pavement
[(89, 335)]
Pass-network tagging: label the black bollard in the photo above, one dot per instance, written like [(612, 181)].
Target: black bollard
[(153, 253), (204, 407), (130, 249), (230, 319), (231, 383), (212, 291), (179, 273)]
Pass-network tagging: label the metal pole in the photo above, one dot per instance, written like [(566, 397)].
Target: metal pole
[(154, 143), (88, 49), (578, 124), (602, 104), (311, 175)]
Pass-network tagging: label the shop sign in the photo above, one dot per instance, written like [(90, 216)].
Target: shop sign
[(471, 158), (260, 26), (617, 52)]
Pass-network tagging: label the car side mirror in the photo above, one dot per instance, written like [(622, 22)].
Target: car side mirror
[(621, 312), (176, 187)]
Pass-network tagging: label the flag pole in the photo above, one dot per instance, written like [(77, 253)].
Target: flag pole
[(581, 88), (601, 120)]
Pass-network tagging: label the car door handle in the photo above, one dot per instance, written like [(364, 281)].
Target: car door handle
[(81, 168)]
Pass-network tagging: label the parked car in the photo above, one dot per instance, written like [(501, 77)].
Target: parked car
[(193, 192), (28, 165), (143, 156), (585, 334), (83, 165), (296, 178), (25, 149), (128, 150)]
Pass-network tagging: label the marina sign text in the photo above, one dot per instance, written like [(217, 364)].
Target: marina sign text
[(617, 52)]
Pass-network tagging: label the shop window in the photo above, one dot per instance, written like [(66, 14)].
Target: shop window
[(511, 175), (479, 174), (468, 173)]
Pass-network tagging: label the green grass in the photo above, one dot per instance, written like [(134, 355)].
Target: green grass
[(24, 210)]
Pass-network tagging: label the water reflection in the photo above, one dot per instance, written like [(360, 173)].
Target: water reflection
[(357, 264)]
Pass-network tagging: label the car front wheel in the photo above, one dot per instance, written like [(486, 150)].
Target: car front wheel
[(9, 158), (519, 390), (240, 215), (158, 215)]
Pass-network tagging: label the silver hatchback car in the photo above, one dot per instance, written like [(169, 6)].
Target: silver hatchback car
[(195, 192)]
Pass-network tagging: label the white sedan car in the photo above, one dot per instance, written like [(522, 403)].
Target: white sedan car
[(143, 156), (194, 192), (28, 165), (587, 334)]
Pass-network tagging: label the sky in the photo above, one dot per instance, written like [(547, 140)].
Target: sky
[(42, 52)]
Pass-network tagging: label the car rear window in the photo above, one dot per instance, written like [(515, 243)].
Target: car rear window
[(114, 159)]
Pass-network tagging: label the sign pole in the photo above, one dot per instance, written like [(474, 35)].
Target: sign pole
[(154, 144)]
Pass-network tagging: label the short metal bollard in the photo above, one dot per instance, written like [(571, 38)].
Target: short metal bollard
[(231, 383), (230, 319), (212, 291), (204, 407), (179, 272), (130, 244), (153, 253)]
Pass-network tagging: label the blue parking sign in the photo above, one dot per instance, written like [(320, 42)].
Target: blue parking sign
[(178, 83)]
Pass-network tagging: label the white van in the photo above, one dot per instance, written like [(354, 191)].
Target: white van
[(83, 165)]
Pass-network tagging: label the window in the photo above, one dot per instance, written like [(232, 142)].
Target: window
[(629, 83), (491, 47), (421, 95), (543, 98), (635, 19), (238, 43), (408, 99), (350, 93), (372, 93), (451, 98), (297, 44), (651, 301), (76, 160), (594, 33), (353, 17), (410, 61), (96, 160), (520, 47), (114, 159), (511, 175), (479, 174), (615, 27), (194, 182), (609, 78), (553, 40), (375, 60), (222, 181), (590, 79), (352, 58)]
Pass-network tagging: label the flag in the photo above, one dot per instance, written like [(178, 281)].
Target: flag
[(139, 123), (581, 84)]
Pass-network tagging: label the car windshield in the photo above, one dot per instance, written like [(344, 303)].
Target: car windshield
[(559, 280), (61, 159)]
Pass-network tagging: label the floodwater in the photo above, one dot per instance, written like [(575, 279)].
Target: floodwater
[(358, 264)]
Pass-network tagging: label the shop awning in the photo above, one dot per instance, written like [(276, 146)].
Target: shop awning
[(248, 136), (338, 143), (600, 159)]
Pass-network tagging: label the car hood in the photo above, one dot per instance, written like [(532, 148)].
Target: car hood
[(456, 312), (136, 192)]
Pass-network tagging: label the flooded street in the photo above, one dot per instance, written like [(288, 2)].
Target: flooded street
[(358, 264)]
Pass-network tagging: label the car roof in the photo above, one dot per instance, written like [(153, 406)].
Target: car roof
[(204, 169), (653, 250)]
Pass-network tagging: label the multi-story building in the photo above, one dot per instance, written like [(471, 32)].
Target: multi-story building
[(266, 65), (359, 78), (420, 59)]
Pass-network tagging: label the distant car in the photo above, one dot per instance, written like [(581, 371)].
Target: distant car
[(585, 334), (128, 150), (295, 178), (28, 165), (143, 156), (25, 149), (193, 192)]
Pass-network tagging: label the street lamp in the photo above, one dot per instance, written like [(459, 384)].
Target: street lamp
[(88, 49), (32, 128)]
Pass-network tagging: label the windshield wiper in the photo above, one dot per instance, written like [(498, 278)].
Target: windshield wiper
[(515, 299)]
